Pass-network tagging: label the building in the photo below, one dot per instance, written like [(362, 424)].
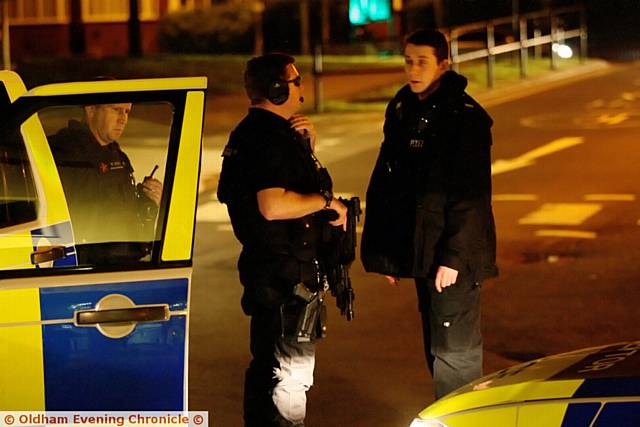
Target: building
[(96, 28)]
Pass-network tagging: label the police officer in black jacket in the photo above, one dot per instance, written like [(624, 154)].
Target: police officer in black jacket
[(429, 214), (274, 188), (112, 216)]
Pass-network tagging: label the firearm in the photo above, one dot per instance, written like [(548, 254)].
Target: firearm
[(339, 254)]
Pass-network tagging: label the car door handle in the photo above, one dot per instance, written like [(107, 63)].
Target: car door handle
[(155, 313), (47, 254)]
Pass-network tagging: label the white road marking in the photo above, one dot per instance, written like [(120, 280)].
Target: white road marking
[(561, 214), (528, 158), (327, 142), (616, 104), (613, 119), (567, 233), (211, 161), (514, 197), (598, 103), (609, 197), (213, 211)]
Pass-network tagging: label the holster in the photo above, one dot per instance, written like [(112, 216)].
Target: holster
[(304, 316)]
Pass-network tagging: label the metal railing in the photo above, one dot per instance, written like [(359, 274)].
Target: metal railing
[(556, 34), (516, 38)]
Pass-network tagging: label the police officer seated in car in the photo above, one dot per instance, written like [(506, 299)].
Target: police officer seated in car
[(274, 188), (113, 219)]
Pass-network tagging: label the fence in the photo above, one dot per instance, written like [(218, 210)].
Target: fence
[(521, 33), (554, 21)]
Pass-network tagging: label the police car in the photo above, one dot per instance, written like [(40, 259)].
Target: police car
[(597, 387), (89, 334)]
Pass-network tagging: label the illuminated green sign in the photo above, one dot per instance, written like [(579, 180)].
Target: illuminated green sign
[(364, 11)]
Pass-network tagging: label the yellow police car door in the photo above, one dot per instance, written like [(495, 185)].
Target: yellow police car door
[(95, 266)]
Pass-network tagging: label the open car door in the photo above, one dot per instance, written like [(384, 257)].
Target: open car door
[(94, 312)]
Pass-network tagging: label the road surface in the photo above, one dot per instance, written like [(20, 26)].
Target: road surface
[(568, 218)]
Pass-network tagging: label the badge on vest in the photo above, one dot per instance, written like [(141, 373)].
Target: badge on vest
[(111, 166), (116, 165)]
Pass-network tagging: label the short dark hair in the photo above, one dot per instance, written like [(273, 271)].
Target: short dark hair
[(433, 38), (262, 72)]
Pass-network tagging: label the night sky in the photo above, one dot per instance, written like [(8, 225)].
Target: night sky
[(614, 28)]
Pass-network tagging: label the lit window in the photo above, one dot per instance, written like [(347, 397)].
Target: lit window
[(175, 5), (36, 12), (117, 10)]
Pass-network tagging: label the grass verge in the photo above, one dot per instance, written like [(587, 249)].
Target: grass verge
[(506, 71)]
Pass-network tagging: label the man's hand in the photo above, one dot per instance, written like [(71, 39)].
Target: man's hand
[(152, 188), (445, 277), (304, 127), (341, 210), (395, 281)]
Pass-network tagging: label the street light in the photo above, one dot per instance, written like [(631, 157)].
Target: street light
[(562, 50)]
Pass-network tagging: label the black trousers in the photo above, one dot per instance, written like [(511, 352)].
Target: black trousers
[(451, 333)]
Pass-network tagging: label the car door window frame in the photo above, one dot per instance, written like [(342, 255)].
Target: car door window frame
[(24, 107)]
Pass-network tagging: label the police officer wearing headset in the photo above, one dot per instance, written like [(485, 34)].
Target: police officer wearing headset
[(274, 188)]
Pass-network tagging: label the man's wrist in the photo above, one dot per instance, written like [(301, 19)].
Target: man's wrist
[(328, 198)]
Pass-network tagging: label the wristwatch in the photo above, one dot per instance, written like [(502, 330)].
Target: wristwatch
[(327, 195)]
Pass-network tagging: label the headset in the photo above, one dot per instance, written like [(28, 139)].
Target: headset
[(278, 92)]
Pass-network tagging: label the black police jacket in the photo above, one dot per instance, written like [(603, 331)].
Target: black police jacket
[(429, 197), (99, 186)]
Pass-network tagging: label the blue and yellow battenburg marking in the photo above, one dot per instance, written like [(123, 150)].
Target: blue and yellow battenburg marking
[(21, 358), (56, 235), (54, 365), (565, 390)]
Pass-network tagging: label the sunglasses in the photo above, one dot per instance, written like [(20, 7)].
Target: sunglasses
[(297, 81)]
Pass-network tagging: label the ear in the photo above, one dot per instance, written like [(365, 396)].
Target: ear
[(89, 111), (444, 65)]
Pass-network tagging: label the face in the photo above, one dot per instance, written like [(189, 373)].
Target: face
[(422, 67), (107, 121), (295, 88)]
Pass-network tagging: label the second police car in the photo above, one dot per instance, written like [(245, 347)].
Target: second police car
[(593, 387)]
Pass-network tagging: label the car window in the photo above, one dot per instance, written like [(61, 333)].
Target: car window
[(18, 198), (111, 160)]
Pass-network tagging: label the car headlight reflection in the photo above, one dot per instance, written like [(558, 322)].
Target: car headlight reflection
[(426, 423)]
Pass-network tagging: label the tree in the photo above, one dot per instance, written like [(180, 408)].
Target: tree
[(135, 39), (6, 56), (76, 29)]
